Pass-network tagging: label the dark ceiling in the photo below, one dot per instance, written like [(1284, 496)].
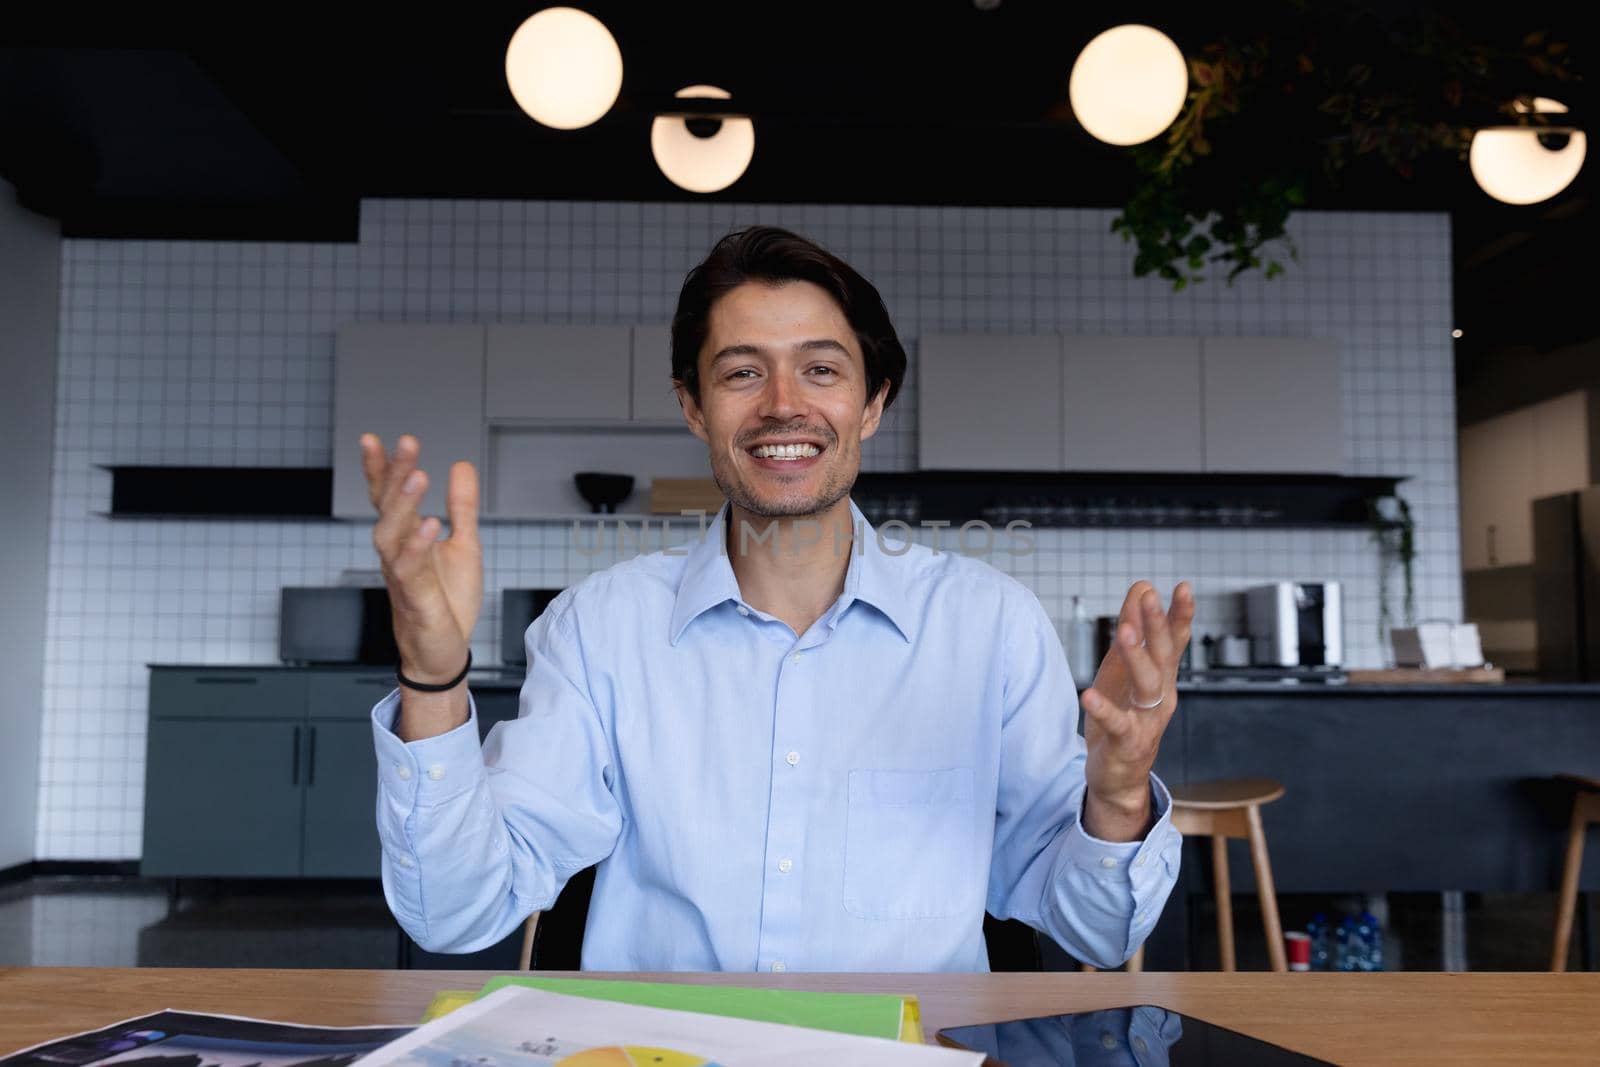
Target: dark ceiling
[(271, 122)]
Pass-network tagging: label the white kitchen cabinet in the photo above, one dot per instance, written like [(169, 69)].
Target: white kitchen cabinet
[(1131, 404), (653, 400), (1272, 404), (1475, 456), (1563, 453), (1498, 473), (558, 373), (989, 402), (1511, 460), (395, 378)]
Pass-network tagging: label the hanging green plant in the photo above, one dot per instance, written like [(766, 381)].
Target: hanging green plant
[(1396, 535), (1320, 93)]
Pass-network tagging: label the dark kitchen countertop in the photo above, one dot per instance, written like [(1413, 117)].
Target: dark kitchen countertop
[(492, 676), (1517, 687), (495, 676)]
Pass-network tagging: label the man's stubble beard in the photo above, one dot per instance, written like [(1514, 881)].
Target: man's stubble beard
[(835, 489)]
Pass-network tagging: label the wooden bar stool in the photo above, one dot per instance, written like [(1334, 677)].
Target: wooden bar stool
[(1219, 810), (529, 929), (1230, 807), (1585, 810)]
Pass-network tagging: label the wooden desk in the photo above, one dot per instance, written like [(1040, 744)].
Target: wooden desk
[(1391, 1019)]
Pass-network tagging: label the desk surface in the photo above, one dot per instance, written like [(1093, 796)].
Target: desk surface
[(1398, 1019)]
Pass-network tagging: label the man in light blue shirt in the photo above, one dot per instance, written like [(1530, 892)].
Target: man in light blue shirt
[(792, 744)]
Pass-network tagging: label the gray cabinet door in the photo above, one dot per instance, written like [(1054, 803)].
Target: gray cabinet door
[(223, 799), (567, 373), (989, 402), (1273, 404), (395, 378), (341, 783), (1131, 403), (653, 398)]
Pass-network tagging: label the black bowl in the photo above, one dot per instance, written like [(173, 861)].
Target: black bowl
[(603, 491)]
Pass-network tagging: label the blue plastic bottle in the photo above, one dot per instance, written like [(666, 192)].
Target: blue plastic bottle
[(1346, 946), (1371, 942), (1317, 929)]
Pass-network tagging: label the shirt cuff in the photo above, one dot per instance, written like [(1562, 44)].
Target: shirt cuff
[(1125, 860), (433, 769)]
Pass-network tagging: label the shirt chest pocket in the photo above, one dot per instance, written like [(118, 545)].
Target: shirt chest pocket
[(909, 848)]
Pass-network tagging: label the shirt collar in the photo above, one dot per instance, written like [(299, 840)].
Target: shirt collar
[(873, 576)]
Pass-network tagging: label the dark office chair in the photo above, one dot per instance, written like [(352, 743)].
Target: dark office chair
[(552, 940), (1013, 945), (557, 937)]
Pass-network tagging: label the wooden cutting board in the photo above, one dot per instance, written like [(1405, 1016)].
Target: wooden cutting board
[(1428, 676), (673, 496)]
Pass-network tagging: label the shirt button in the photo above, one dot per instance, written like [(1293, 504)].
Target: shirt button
[(404, 861), (1107, 861), (402, 772), (778, 965), (743, 610), (1139, 1045), (792, 758), (1139, 860), (795, 658), (1106, 1040), (786, 865), (436, 772)]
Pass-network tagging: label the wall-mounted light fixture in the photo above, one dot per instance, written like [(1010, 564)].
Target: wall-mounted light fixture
[(564, 68), (1128, 84)]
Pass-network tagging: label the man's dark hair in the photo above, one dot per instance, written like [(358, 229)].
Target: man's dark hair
[(774, 256)]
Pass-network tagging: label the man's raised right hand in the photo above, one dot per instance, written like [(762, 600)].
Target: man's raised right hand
[(435, 587)]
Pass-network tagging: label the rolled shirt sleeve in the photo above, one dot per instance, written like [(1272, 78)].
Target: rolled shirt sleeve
[(474, 839), (1098, 899)]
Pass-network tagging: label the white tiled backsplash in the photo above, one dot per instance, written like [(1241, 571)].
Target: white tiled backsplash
[(189, 352)]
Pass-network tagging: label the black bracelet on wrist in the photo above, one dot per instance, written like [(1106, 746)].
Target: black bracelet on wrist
[(408, 683)]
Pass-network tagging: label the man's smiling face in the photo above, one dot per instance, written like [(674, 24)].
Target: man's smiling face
[(783, 399)]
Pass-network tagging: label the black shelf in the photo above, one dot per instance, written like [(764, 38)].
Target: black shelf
[(1123, 499), (1073, 499), (221, 492)]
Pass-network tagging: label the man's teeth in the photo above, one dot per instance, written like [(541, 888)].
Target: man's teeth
[(784, 451)]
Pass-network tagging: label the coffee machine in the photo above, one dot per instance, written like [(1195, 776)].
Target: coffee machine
[(1295, 624)]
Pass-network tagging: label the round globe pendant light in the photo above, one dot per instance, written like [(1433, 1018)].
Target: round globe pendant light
[(1512, 164), (702, 164), (1128, 84), (564, 68)]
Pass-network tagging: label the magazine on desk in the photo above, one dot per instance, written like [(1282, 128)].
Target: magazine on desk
[(194, 1039), (522, 1027)]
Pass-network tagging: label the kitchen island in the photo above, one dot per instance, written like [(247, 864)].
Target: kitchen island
[(1390, 788), (1398, 787)]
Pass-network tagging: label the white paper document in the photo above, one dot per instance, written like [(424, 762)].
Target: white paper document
[(521, 1027)]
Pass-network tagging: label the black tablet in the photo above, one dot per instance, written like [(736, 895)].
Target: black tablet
[(1140, 1036)]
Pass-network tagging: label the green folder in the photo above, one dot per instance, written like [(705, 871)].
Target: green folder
[(884, 1015)]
